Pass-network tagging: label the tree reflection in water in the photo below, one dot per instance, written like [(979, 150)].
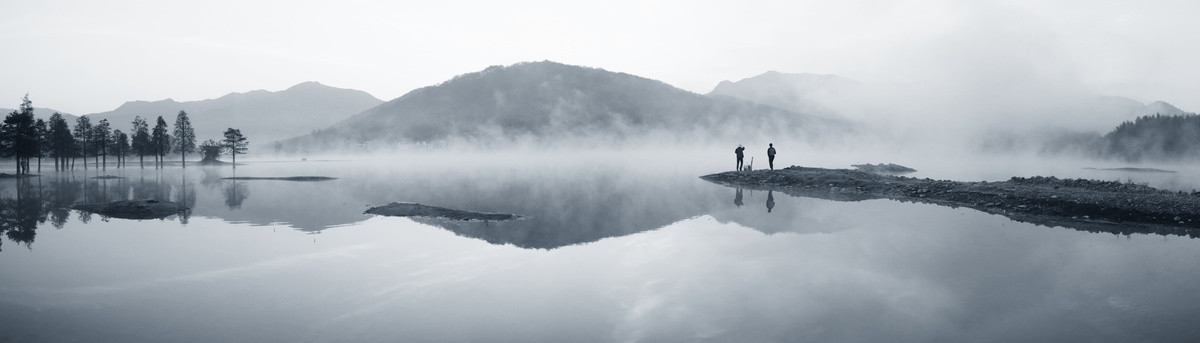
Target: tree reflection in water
[(27, 202)]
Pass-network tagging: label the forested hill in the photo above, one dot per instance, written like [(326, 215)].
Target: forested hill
[(262, 116), (548, 102), (1154, 138)]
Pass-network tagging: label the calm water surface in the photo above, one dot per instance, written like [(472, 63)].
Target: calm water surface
[(613, 249)]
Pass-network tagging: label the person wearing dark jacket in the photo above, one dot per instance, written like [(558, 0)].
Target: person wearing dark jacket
[(770, 155), (739, 154)]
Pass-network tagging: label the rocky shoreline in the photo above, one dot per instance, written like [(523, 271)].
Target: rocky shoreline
[(1089, 205)]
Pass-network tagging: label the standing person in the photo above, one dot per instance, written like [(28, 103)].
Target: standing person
[(739, 154), (771, 155)]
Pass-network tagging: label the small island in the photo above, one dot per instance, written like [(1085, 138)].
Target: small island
[(15, 176), (404, 209), (1090, 205), (134, 209), (889, 168)]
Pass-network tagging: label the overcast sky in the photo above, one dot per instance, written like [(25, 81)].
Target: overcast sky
[(91, 56)]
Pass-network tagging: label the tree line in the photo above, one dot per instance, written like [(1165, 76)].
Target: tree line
[(23, 138), (1158, 137)]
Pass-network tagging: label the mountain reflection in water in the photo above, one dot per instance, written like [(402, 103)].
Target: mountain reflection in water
[(561, 207)]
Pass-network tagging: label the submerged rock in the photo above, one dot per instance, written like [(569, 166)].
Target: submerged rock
[(404, 209), (889, 169), (212, 163), (284, 178), (17, 176), (134, 209), (1135, 170)]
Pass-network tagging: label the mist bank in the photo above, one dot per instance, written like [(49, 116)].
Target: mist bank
[(1001, 114), (1155, 138)]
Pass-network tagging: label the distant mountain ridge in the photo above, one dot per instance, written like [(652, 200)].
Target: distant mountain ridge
[(43, 113), (834, 96), (804, 93), (551, 102), (261, 115)]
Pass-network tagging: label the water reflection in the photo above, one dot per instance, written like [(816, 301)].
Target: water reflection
[(907, 272), (235, 193), (770, 201), (562, 207), (587, 205), (20, 215), (1048, 220), (26, 203)]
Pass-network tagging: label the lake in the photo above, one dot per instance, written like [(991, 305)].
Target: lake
[(629, 247)]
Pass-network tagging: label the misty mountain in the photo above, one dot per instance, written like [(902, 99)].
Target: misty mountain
[(1163, 108), (1117, 109), (548, 102), (802, 93), (262, 115), (838, 97)]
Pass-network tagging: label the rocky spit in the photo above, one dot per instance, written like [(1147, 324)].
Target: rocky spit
[(1089, 205), (134, 209)]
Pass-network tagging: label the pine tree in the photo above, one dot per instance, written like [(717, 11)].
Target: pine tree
[(185, 137), (141, 139), (83, 139), (101, 137), (61, 143), (160, 141), (42, 132), (235, 143), (18, 136), (119, 147)]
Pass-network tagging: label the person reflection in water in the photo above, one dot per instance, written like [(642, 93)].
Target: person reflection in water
[(770, 201), (771, 155), (739, 154), (737, 198)]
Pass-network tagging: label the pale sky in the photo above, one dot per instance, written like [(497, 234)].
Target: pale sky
[(90, 56)]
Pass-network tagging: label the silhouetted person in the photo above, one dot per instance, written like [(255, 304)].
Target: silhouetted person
[(739, 154), (737, 198), (771, 155), (770, 201)]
